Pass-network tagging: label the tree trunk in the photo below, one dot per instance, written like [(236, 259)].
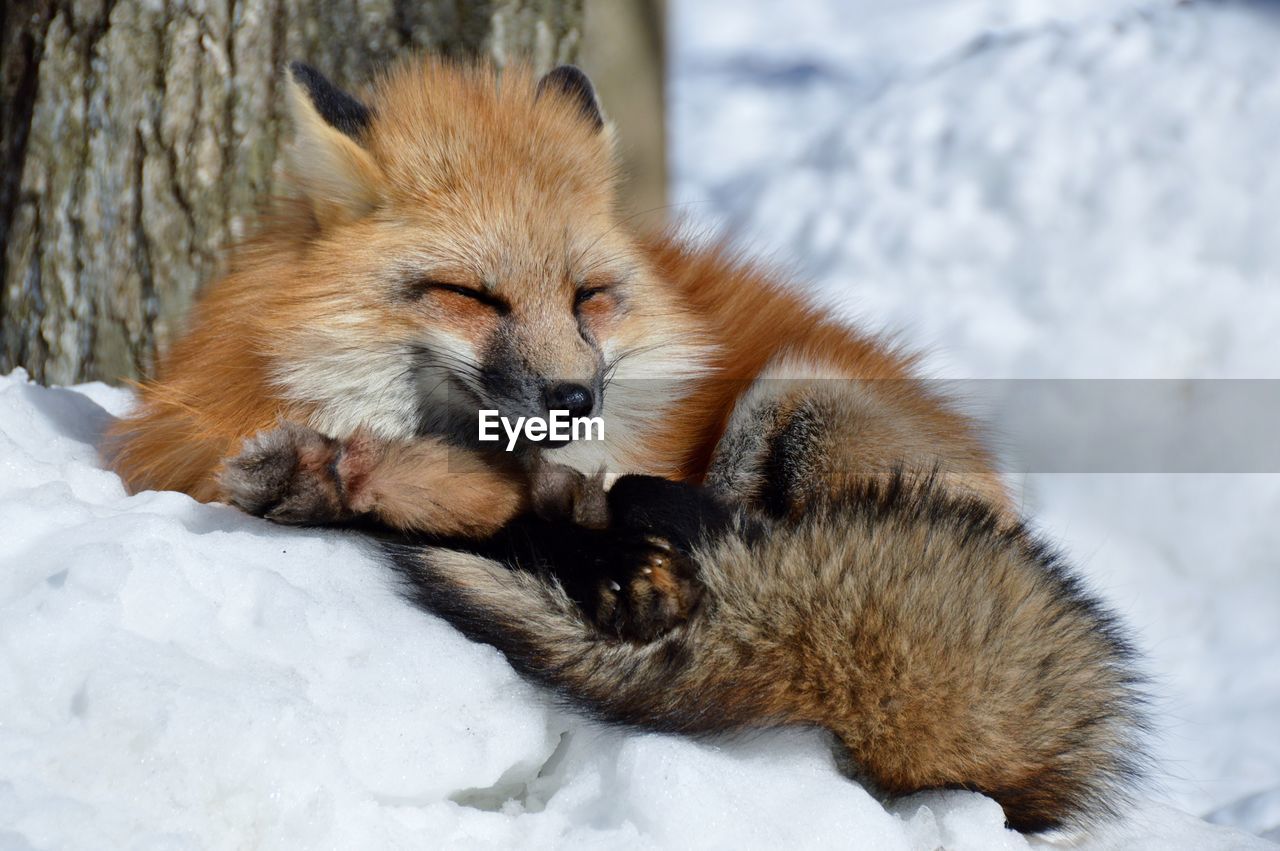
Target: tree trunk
[(139, 137), (624, 51)]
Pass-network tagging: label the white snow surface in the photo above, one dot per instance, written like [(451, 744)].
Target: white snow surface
[(1028, 189)]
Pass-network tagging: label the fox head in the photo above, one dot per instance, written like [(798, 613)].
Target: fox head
[(458, 249)]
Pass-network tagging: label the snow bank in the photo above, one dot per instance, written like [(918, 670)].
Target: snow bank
[(177, 675)]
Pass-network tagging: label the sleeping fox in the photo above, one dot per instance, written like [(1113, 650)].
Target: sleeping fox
[(452, 246)]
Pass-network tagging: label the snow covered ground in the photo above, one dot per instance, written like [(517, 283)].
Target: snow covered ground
[(1031, 192)]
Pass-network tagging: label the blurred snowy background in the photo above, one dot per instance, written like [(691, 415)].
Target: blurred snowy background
[(1043, 190), (1027, 188)]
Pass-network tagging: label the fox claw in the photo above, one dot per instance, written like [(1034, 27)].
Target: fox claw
[(655, 592)]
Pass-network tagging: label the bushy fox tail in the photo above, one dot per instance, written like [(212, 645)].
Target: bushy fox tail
[(943, 648), (545, 636)]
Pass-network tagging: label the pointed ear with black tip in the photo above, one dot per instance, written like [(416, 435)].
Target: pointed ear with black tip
[(338, 176), (570, 82), (340, 110)]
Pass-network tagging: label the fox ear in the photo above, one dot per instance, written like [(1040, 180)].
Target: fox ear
[(338, 109), (338, 176), (569, 81)]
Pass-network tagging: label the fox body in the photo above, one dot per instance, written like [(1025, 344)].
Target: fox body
[(855, 561), (453, 246)]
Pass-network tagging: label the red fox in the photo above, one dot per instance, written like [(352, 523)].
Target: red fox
[(453, 246)]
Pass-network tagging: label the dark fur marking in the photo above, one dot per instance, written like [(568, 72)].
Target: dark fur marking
[(787, 468), (570, 81), (340, 110), (684, 514)]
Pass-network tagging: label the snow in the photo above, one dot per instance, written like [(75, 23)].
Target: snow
[(1031, 189)]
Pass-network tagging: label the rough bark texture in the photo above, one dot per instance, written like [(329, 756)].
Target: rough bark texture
[(138, 138)]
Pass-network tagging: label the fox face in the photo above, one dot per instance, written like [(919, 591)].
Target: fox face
[(460, 252)]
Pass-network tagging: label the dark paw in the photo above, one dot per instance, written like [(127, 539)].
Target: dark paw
[(288, 475), (650, 589)]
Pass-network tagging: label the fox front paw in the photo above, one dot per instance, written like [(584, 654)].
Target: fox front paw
[(287, 474), (653, 590)]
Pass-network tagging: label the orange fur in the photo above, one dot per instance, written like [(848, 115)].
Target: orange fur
[(470, 180), (753, 319)]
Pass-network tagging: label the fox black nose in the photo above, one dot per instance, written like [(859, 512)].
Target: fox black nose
[(573, 398)]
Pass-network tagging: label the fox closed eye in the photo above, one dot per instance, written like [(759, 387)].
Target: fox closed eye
[(585, 295), (426, 285)]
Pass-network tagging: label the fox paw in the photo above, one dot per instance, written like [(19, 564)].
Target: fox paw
[(653, 590), (287, 474)]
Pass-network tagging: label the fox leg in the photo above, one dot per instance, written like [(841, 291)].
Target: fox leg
[(627, 561), (631, 569), (626, 584), (804, 431), (293, 474)]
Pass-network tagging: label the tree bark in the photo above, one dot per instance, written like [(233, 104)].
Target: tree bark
[(138, 139), (624, 51)]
